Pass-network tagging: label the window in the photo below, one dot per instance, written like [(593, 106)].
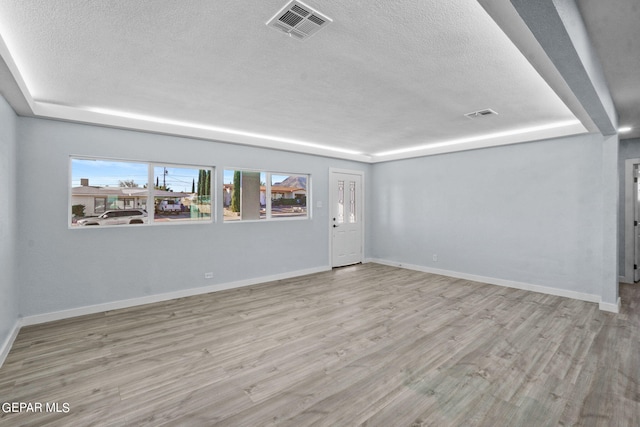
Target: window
[(259, 195), (99, 204), (181, 194), (108, 192), (288, 196)]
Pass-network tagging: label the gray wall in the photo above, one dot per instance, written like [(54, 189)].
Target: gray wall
[(530, 213), (63, 269), (8, 284)]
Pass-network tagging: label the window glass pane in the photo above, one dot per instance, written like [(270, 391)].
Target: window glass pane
[(263, 195), (340, 218), (182, 194), (230, 199), (244, 195), (99, 187), (288, 195), (247, 195), (352, 202), (108, 192)]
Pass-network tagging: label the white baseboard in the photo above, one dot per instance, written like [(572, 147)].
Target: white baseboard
[(8, 342), (625, 279), (610, 306), (500, 282), (99, 308)]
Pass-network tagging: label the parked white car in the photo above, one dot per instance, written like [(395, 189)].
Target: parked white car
[(115, 217)]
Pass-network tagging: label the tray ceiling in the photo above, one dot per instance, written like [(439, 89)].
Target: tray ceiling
[(385, 80)]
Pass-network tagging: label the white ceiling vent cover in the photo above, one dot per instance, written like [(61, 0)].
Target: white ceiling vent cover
[(481, 113), (299, 20)]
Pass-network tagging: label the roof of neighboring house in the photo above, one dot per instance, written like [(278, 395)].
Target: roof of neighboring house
[(279, 189), (124, 192)]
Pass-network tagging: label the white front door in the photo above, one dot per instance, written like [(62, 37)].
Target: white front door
[(346, 223)]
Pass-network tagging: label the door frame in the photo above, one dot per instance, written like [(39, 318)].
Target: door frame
[(629, 215), (330, 209)]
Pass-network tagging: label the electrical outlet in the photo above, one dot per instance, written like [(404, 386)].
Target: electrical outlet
[(435, 257), (208, 275)]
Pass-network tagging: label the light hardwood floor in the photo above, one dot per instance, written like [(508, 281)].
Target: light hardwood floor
[(365, 345)]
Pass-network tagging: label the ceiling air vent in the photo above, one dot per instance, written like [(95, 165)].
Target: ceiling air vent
[(481, 113), (298, 20)]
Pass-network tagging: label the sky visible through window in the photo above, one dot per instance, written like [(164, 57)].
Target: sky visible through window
[(275, 178), (105, 173)]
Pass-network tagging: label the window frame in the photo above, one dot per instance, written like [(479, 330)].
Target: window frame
[(150, 193), (152, 196), (268, 207)]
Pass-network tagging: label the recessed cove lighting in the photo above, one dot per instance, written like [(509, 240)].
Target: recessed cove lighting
[(159, 120), (624, 129), (16, 63), (477, 138)]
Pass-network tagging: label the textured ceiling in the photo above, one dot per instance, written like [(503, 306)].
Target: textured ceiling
[(383, 76), (614, 29)]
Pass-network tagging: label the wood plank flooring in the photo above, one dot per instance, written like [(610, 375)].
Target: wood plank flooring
[(366, 345)]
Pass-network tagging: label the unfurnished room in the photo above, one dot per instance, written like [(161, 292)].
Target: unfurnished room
[(319, 213)]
